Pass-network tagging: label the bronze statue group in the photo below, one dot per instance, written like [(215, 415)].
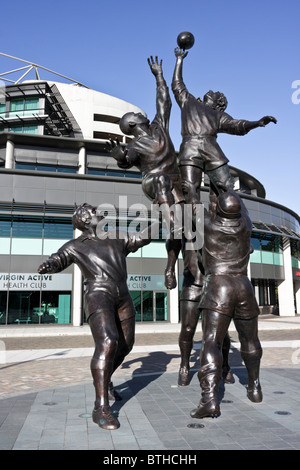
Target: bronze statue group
[(215, 288)]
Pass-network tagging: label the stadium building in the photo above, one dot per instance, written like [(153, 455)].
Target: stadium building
[(53, 157)]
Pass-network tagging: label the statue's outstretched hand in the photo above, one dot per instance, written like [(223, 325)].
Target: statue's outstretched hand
[(266, 120), (115, 149), (155, 66), (46, 267), (180, 53)]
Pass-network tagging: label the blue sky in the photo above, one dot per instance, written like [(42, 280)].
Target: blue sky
[(247, 50)]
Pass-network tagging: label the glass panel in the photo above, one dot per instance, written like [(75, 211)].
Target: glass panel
[(24, 307), (255, 257), (30, 129), (5, 225), (136, 297), (3, 300), (278, 259), (58, 229), (27, 227), (155, 250), (255, 242), (91, 171), (31, 103), (21, 305), (66, 169), (26, 246), (266, 257), (16, 107), (16, 129), (267, 245), (161, 306), (147, 305), (55, 308)]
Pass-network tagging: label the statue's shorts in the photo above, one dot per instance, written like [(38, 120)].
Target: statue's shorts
[(192, 293), (201, 151), (231, 295), (108, 298)]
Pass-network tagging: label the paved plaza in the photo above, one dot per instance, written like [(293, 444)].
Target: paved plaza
[(46, 393)]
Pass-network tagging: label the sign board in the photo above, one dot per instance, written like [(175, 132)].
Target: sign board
[(63, 282), (35, 282), (146, 282)]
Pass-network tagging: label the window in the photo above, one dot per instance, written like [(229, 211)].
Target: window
[(5, 226), (28, 307), (27, 227), (267, 249), (107, 135), (58, 228), (24, 129), (106, 118), (24, 107), (2, 109), (41, 167), (36, 227), (122, 174), (295, 253)]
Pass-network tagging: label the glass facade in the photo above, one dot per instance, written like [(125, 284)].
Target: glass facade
[(119, 174), (24, 129), (23, 107), (266, 292), (267, 249), (42, 167), (295, 253), (28, 298), (150, 305)]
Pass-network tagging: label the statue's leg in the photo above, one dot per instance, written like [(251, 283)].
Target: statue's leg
[(189, 313), (221, 178), (125, 344), (214, 328), (173, 248), (191, 177), (105, 334), (251, 353), (226, 370)]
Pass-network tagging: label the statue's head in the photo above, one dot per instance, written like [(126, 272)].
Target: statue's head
[(83, 216), (216, 100), (130, 120), (229, 205)]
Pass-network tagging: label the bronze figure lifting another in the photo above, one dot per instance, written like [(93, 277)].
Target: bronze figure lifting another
[(227, 294)]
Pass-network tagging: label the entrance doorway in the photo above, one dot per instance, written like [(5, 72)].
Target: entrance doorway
[(150, 305)]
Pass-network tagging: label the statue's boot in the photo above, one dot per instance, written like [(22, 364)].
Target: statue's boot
[(184, 376), (227, 374), (103, 416), (209, 378), (252, 363), (184, 371), (102, 413)]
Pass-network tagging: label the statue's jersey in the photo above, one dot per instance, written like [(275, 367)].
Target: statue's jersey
[(153, 153), (101, 260), (200, 125), (227, 245)]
